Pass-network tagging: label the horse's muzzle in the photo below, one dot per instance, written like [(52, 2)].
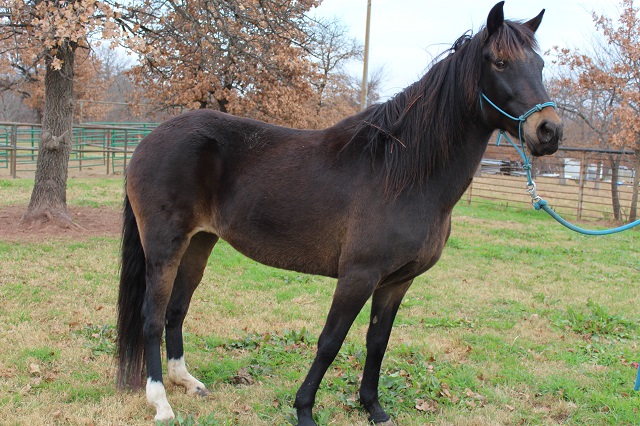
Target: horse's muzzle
[(542, 132), (549, 134)]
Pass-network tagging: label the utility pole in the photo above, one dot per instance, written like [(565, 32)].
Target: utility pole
[(365, 77)]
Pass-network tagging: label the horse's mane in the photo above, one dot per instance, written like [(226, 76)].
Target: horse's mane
[(416, 131)]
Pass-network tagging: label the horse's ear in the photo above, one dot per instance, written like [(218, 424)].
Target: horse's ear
[(535, 22), (495, 18)]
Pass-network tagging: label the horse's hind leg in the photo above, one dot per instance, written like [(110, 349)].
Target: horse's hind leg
[(384, 306), (164, 248), (189, 275)]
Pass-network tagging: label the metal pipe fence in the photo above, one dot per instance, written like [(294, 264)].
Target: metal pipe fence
[(101, 148), (578, 183)]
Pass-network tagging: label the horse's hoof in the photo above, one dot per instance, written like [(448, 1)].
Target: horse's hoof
[(164, 414), (377, 415), (199, 391), (305, 421)]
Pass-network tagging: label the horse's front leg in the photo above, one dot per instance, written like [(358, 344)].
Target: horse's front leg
[(384, 307), (350, 295)]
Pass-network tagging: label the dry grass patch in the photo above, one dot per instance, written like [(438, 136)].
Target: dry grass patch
[(521, 322)]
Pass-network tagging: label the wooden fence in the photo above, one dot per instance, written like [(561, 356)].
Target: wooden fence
[(576, 182)]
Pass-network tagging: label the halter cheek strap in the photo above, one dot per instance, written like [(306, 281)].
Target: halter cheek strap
[(523, 117)]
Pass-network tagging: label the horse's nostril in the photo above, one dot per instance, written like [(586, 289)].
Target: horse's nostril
[(548, 131)]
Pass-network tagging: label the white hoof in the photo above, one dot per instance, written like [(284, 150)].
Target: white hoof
[(178, 374), (157, 398), (164, 413)]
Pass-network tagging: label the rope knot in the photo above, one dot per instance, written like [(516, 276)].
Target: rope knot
[(538, 205)]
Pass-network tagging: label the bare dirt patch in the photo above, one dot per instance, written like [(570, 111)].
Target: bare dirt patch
[(93, 221)]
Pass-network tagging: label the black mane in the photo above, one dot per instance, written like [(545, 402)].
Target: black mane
[(415, 131)]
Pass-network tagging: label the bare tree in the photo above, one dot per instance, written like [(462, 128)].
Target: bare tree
[(13, 109), (331, 48)]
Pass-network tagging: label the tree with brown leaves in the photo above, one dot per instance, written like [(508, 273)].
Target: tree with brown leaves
[(45, 35), (609, 79), (243, 57)]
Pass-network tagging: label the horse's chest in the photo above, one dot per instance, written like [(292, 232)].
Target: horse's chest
[(432, 245)]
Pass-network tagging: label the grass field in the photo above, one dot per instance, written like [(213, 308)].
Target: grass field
[(520, 323)]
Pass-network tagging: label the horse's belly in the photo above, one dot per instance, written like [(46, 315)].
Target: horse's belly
[(301, 255)]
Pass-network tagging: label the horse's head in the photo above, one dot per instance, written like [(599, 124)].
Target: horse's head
[(511, 83)]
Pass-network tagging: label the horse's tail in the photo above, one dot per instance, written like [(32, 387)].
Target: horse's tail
[(130, 348)]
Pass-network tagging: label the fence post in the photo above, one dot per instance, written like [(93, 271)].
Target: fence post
[(126, 148), (583, 179), (108, 150), (81, 147), (33, 143), (14, 151)]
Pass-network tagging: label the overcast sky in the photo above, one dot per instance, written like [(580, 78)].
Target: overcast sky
[(407, 34)]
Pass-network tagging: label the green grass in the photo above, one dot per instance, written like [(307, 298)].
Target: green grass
[(82, 192), (521, 322)]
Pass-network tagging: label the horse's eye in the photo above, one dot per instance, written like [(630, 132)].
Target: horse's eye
[(499, 64)]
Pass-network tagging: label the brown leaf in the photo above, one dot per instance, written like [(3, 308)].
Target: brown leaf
[(426, 405), (244, 409), (243, 378), (34, 369), (25, 389)]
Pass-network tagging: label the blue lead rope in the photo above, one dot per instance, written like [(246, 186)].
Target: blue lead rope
[(537, 201), (541, 204)]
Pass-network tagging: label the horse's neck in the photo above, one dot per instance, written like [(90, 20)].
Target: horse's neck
[(474, 144), (455, 176)]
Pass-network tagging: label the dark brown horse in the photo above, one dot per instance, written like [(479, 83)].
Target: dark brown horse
[(367, 201)]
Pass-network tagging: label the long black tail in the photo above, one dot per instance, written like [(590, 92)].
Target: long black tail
[(130, 347)]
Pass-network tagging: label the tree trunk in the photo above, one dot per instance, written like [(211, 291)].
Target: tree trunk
[(633, 212), (614, 160), (598, 176), (48, 204)]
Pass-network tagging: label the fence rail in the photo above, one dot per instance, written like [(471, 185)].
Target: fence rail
[(104, 147), (576, 182)]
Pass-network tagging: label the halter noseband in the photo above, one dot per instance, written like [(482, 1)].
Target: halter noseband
[(522, 118)]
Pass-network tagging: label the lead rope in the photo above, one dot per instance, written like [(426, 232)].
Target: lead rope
[(538, 202)]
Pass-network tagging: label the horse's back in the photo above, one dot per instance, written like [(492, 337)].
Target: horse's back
[(281, 196)]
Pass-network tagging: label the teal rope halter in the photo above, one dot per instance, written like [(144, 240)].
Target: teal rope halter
[(537, 201)]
